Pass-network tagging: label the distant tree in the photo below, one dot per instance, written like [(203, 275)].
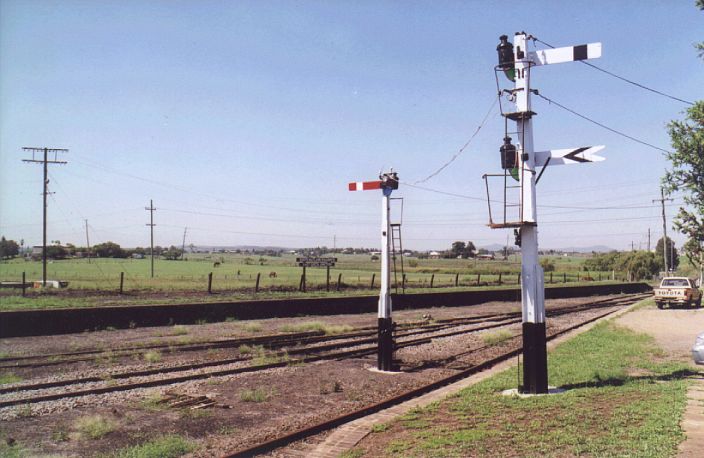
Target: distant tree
[(457, 249), (640, 264), (139, 250), (602, 262), (8, 248), (56, 252), (109, 250), (482, 251), (687, 172), (172, 253), (673, 259), (470, 250)]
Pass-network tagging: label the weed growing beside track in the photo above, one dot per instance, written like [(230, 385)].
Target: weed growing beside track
[(623, 399)]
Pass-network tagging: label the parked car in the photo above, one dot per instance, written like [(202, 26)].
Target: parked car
[(698, 349), (677, 290)]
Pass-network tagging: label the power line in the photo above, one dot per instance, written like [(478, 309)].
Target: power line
[(535, 91), (642, 86), (461, 150)]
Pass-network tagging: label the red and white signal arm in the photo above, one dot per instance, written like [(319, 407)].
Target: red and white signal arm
[(364, 185)]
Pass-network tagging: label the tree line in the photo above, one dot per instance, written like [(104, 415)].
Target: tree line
[(10, 249)]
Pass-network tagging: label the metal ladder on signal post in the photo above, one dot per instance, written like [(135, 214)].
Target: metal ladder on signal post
[(397, 247)]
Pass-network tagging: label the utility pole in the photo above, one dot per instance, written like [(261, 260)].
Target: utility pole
[(522, 160), (151, 225), (388, 182), (45, 162), (183, 244), (87, 241), (664, 226), (648, 239)]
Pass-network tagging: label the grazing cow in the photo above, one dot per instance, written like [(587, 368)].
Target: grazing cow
[(216, 264), (272, 274)]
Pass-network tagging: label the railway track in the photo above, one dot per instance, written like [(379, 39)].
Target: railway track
[(283, 440), (299, 348), (269, 341)]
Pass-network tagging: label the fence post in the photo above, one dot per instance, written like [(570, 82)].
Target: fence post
[(403, 283), (518, 278), (339, 280), (303, 280), (373, 278), (327, 279), (499, 278), (457, 280), (599, 276), (479, 276), (564, 277), (550, 277), (432, 279), (122, 281), (256, 286), (24, 284), (210, 283)]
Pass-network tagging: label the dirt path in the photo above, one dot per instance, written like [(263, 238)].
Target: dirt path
[(675, 331)]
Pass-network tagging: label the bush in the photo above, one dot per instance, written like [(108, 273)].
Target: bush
[(94, 426), (548, 265)]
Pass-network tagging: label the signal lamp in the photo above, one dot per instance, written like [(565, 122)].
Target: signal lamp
[(506, 60), (508, 154)]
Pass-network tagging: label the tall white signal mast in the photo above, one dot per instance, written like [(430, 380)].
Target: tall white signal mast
[(521, 160)]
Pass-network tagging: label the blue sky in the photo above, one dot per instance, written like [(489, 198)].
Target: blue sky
[(244, 121)]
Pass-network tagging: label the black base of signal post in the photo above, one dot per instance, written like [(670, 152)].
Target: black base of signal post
[(386, 345), (535, 359)]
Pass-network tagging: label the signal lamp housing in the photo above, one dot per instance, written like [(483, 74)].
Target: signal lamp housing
[(506, 59)]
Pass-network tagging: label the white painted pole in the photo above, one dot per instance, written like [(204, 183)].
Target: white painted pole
[(384, 295), (532, 288)]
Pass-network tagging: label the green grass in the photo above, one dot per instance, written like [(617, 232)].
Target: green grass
[(152, 356), (94, 426), (495, 338), (255, 395), (178, 330), (170, 446), (316, 326), (191, 275), (252, 327), (12, 451), (9, 377), (622, 399)]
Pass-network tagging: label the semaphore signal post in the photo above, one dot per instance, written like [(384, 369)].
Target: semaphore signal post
[(520, 160), (387, 182)]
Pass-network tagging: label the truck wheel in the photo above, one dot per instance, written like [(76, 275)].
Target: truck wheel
[(698, 303), (659, 304)]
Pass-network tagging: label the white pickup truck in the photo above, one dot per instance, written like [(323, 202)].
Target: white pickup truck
[(677, 290)]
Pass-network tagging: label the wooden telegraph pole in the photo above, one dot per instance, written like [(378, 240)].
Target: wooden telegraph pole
[(45, 161), (151, 225)]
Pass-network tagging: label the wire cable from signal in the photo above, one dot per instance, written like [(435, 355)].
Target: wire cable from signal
[(461, 150), (655, 91), (535, 91)]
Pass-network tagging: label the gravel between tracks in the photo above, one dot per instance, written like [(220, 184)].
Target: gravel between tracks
[(294, 396)]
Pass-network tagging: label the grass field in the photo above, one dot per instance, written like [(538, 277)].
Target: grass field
[(97, 282), (240, 271), (623, 399)]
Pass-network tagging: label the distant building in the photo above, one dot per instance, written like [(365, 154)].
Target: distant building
[(489, 257), (137, 256), (434, 255)]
